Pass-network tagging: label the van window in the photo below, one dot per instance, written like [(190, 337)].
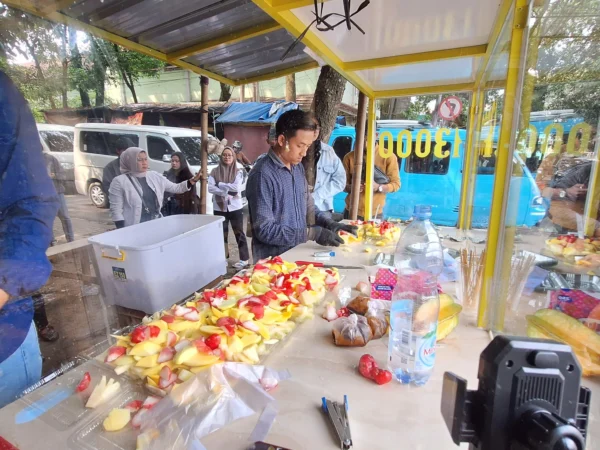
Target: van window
[(158, 147), (104, 143), (190, 147), (430, 164), (342, 146), (58, 141)]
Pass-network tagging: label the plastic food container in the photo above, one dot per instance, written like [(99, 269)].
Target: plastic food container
[(60, 406), (92, 435), (152, 265)]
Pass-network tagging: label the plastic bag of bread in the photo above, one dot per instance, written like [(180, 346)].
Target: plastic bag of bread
[(351, 331), (376, 319), (360, 305)]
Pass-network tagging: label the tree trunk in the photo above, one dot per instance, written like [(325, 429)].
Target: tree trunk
[(76, 62), (328, 96), (131, 85), (242, 93), (65, 66), (225, 92), (290, 88), (256, 92), (40, 73), (204, 143)]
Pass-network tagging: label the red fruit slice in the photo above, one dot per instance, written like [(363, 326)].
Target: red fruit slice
[(150, 402), (167, 318), (138, 419), (263, 261), (382, 376), (201, 346), (139, 334), (330, 280), (154, 331), (260, 267), (294, 300), (343, 312), (167, 377), (258, 310), (277, 260), (213, 341), (307, 284), (285, 303), (134, 406), (171, 338), (366, 366), (114, 353), (192, 316), (227, 324), (181, 311), (279, 282), (84, 383), (166, 354), (250, 325)]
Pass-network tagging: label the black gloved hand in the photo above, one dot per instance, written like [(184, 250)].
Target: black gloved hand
[(324, 237), (335, 227)]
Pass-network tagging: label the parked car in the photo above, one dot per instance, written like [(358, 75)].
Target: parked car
[(95, 148), (58, 141), (437, 181)]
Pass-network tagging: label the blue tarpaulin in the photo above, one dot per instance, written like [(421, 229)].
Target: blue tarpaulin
[(256, 113)]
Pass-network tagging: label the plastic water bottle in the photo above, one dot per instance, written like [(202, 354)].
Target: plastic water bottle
[(415, 302)]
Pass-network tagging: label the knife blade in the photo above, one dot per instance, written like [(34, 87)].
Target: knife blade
[(326, 266)]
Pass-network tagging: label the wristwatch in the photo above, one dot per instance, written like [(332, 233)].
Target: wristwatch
[(562, 193), (380, 188)]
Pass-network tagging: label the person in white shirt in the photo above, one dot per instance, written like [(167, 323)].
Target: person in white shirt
[(226, 184), (325, 172)]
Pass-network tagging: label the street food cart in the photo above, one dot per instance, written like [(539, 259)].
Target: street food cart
[(497, 52)]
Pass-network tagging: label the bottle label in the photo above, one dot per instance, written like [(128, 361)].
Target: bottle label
[(426, 350)]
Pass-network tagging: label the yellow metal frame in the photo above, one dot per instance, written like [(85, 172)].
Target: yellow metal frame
[(286, 5), (229, 39), (478, 121), (460, 87), (370, 164), (592, 202), (413, 58), (494, 36), (467, 184), (503, 159)]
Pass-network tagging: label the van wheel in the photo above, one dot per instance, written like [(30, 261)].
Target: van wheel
[(97, 195)]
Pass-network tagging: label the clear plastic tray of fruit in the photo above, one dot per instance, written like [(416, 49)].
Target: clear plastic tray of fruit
[(60, 405), (583, 282), (92, 435)]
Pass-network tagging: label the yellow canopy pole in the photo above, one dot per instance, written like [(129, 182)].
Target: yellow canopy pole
[(370, 159), (359, 148), (495, 233), (475, 159), (593, 198), (469, 153)]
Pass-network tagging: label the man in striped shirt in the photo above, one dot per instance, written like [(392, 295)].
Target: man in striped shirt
[(282, 211)]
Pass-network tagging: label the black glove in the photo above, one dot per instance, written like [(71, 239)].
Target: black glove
[(324, 237), (120, 224), (335, 227)]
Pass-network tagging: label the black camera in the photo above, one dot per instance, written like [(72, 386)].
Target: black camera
[(529, 397)]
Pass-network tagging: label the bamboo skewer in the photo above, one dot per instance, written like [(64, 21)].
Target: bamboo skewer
[(471, 275)]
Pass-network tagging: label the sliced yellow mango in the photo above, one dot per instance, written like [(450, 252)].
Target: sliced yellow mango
[(201, 359), (148, 361)]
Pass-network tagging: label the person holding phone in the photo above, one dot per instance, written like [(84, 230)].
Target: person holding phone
[(137, 194)]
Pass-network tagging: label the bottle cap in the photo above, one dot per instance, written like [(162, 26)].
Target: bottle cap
[(422, 211)]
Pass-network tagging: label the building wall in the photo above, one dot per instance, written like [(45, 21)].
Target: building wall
[(176, 86), (253, 138)]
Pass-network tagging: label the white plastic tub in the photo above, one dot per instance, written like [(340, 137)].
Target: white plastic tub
[(151, 265)]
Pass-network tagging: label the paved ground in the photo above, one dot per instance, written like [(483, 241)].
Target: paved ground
[(72, 305)]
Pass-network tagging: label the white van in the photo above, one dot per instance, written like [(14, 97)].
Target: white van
[(58, 141), (95, 148)]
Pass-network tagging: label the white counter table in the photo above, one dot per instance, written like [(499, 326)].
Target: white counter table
[(381, 417)]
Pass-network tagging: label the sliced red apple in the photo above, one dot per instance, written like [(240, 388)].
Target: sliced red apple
[(192, 316), (171, 338), (168, 318), (182, 344), (134, 405), (181, 311), (114, 353), (250, 325), (227, 324), (150, 402), (201, 346), (166, 354), (139, 418), (167, 377)]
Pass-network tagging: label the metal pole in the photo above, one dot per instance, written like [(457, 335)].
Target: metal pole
[(242, 92), (370, 160), (499, 241), (204, 148), (593, 198), (359, 148)]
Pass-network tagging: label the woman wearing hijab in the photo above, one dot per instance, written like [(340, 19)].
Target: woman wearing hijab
[(186, 203), (136, 194), (225, 183)]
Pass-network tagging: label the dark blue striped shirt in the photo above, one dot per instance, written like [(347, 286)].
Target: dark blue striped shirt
[(279, 205)]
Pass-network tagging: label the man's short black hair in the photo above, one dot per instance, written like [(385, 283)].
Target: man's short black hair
[(292, 121), (123, 143)]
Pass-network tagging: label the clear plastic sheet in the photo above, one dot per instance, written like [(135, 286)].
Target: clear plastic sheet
[(351, 331), (210, 401)]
